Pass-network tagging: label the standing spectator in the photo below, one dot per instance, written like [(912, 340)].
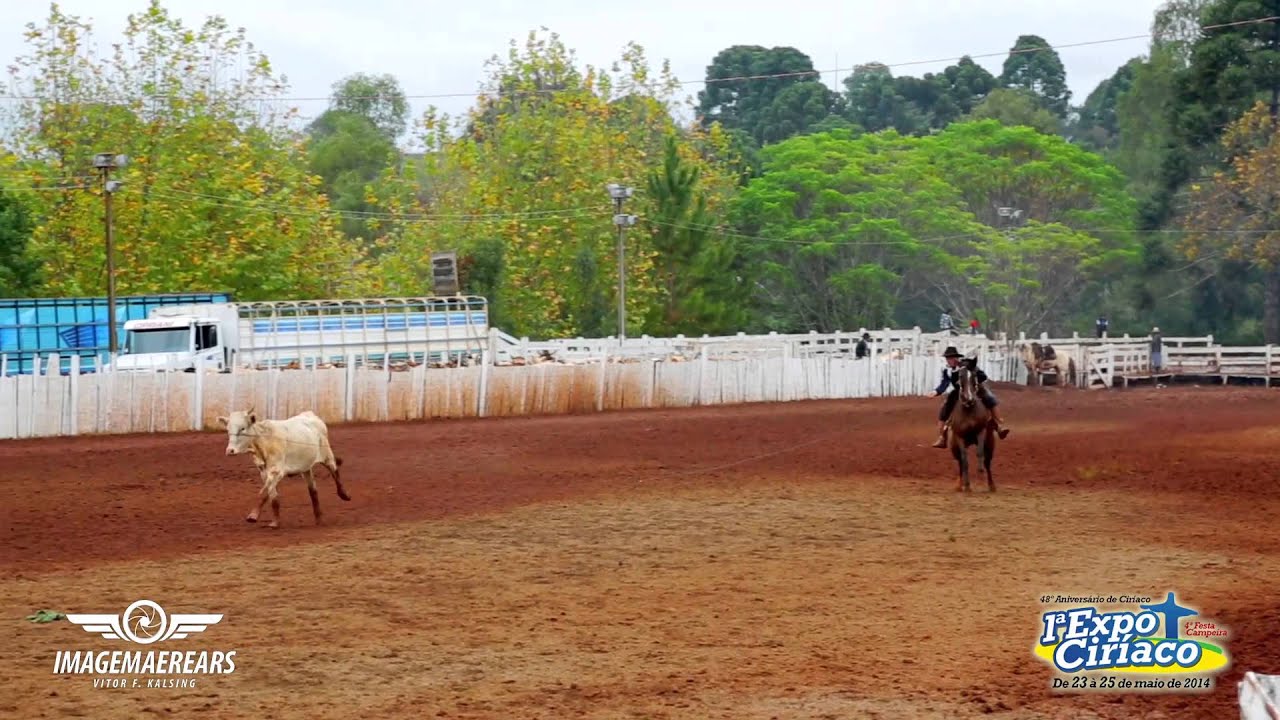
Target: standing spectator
[(973, 326), (1157, 349), (863, 350), (1101, 325), (946, 324)]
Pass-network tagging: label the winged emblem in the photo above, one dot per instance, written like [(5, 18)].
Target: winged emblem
[(144, 622), (106, 625)]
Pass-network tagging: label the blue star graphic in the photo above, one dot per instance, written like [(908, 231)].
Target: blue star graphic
[(1173, 614)]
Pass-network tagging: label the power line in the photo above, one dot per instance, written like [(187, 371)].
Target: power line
[(384, 215), (46, 188), (704, 81), (293, 211)]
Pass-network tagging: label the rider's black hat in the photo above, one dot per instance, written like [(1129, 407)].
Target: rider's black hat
[(951, 351)]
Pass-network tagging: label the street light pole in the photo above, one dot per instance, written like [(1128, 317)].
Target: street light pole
[(620, 193), (106, 162)]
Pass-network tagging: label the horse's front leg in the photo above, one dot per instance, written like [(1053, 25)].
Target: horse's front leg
[(985, 447), (961, 454)]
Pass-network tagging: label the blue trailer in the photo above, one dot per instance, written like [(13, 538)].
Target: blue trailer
[(38, 327)]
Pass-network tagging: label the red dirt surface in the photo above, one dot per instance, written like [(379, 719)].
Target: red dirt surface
[(800, 560)]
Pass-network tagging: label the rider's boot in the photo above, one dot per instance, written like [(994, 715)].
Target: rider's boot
[(941, 442), (1001, 430)]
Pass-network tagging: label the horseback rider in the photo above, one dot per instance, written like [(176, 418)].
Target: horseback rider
[(951, 379)]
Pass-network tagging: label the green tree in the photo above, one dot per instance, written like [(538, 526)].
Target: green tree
[(874, 103), (797, 110), (699, 275), (1066, 236), (1231, 67), (19, 272), (1015, 108), (1176, 27), (348, 152), (1145, 132), (865, 230), (768, 109), (1033, 65), (843, 222), (967, 83), (1098, 125), (876, 100), (532, 177), (944, 97), (215, 196), (377, 98)]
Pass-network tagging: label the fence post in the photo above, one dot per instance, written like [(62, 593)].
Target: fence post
[(384, 410), (782, 374), (197, 397), (482, 394), (604, 370), (349, 394), (73, 424), (702, 374)]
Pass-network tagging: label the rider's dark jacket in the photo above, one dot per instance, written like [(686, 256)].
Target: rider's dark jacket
[(951, 377)]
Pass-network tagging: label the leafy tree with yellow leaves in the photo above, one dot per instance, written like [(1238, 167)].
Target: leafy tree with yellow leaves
[(216, 195), (522, 193), (1234, 217)]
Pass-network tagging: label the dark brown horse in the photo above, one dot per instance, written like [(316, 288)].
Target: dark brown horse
[(970, 424)]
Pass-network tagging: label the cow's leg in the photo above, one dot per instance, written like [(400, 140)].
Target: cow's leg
[(315, 495), (332, 462), (262, 500), (273, 480)]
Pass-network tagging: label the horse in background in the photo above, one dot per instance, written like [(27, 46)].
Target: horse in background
[(970, 425), (1043, 358)]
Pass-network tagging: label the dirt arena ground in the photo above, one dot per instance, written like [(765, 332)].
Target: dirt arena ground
[(806, 560)]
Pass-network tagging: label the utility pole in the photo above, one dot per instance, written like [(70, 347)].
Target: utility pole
[(106, 162), (620, 193)]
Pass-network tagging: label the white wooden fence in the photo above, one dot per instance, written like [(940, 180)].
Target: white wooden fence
[(587, 375), (45, 404)]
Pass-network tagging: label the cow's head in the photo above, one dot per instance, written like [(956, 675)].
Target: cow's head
[(239, 427)]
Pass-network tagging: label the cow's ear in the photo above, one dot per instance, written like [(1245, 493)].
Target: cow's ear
[(222, 421), (253, 418)]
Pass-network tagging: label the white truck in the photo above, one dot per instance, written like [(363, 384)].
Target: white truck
[(302, 332)]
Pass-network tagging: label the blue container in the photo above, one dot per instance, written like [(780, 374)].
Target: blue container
[(38, 327)]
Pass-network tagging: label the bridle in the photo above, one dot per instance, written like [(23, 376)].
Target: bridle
[(967, 386)]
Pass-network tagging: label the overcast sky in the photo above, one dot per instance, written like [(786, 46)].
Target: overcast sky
[(437, 47)]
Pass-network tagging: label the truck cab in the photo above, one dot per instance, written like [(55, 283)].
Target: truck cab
[(166, 344)]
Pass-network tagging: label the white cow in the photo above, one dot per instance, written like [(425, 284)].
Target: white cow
[(280, 448)]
